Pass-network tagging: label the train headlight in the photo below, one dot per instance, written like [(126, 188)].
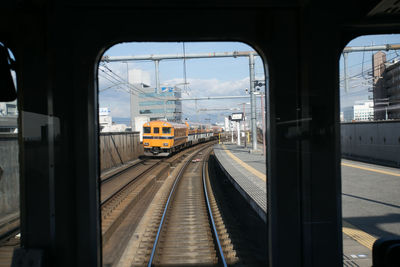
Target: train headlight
[(165, 144), (146, 144)]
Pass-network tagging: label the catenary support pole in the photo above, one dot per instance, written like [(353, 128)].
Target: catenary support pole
[(158, 89), (263, 121), (244, 123), (253, 102), (346, 81), (231, 132), (238, 132)]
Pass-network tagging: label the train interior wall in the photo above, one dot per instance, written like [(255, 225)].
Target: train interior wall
[(57, 46)]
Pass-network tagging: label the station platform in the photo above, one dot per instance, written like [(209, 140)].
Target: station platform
[(247, 172)]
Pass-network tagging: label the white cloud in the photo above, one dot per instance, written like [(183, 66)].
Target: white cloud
[(212, 87), (118, 100)]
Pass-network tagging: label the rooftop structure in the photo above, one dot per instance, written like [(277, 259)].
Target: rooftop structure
[(386, 88)]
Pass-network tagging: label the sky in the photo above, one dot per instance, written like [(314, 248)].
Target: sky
[(360, 68), (221, 76), (205, 77)]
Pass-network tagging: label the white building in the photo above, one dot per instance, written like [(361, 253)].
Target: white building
[(8, 117), (359, 112), (105, 120), (139, 121), (106, 123), (364, 111)]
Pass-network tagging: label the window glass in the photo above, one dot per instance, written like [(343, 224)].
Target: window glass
[(133, 92), (369, 116), (166, 130), (9, 175)]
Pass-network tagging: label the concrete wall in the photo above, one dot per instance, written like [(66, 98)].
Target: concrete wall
[(9, 174), (114, 147), (119, 148), (375, 142)]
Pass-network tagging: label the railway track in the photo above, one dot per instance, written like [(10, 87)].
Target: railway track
[(119, 194), (126, 195), (124, 201), (186, 232), (184, 235), (9, 238)]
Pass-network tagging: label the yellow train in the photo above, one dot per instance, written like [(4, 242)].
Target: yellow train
[(161, 138)]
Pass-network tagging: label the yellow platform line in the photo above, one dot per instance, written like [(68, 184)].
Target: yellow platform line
[(259, 174), (358, 235), (371, 169)]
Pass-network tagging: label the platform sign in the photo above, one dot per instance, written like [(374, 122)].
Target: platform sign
[(237, 116)]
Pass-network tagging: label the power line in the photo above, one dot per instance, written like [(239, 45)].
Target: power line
[(367, 70), (130, 87)]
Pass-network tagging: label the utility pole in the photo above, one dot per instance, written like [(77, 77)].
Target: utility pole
[(158, 89), (231, 126), (263, 120), (346, 81), (253, 102), (352, 49), (244, 124), (131, 100), (238, 132)]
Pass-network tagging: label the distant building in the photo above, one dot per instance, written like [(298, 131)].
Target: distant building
[(105, 120), (348, 114), (386, 88), (106, 123), (139, 121), (364, 111), (359, 112), (8, 117), (146, 101), (153, 105)]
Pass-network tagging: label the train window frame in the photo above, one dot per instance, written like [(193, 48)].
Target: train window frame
[(166, 128), (158, 130), (147, 130)]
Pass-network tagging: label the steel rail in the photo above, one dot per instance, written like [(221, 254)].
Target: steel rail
[(10, 233), (112, 176), (211, 218), (178, 178), (131, 181)]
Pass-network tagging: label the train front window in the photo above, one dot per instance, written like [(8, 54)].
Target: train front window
[(370, 141), (9, 159), (186, 89), (166, 130)]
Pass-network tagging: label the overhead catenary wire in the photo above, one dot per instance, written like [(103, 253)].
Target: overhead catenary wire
[(367, 70), (369, 60), (130, 88)]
